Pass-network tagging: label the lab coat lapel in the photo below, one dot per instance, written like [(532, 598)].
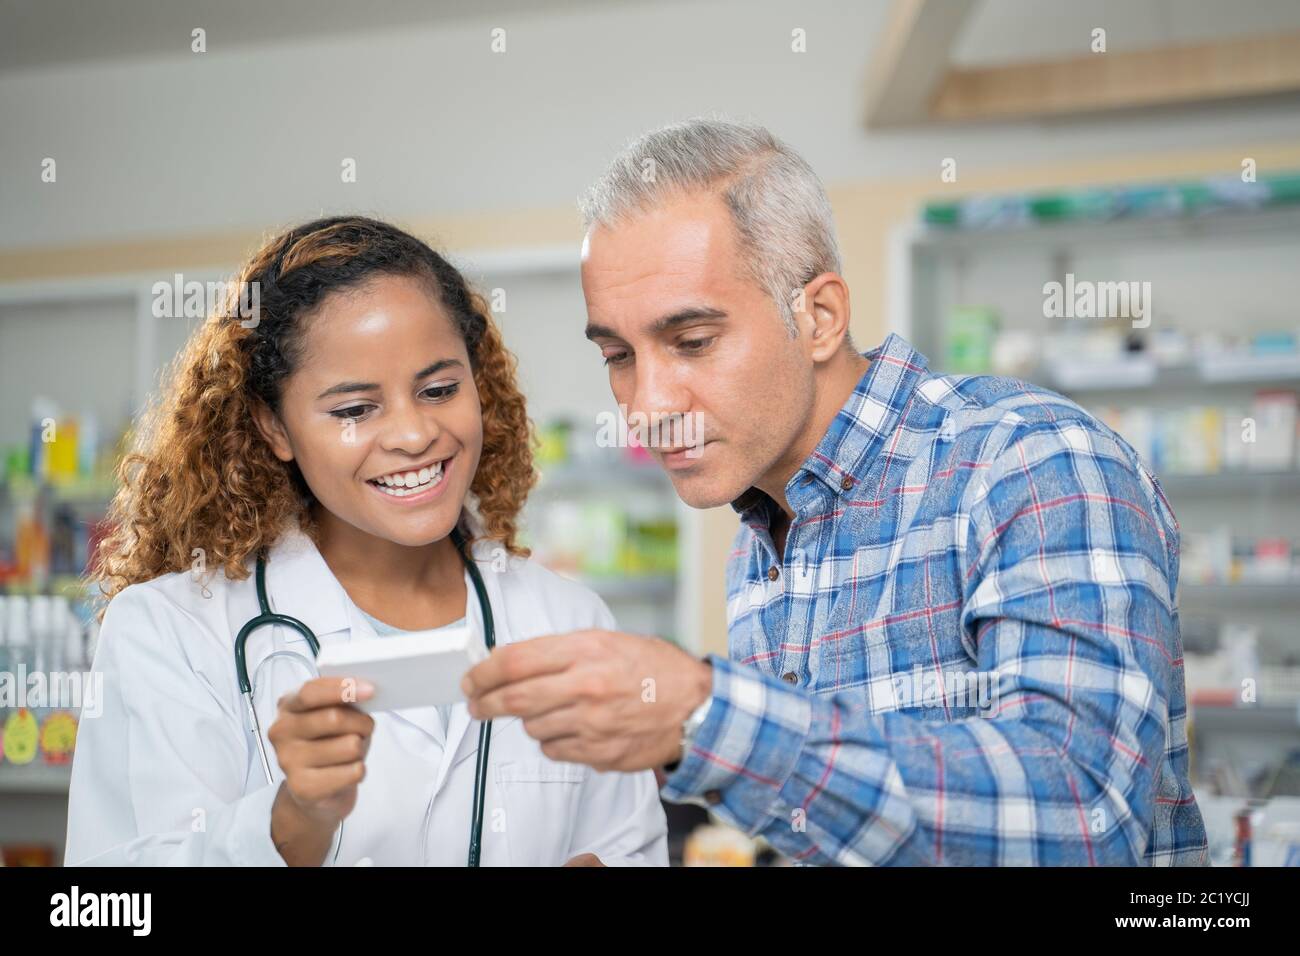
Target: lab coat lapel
[(300, 584)]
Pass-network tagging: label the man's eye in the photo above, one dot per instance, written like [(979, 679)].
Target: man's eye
[(441, 392), (616, 358), (695, 345), (353, 411)]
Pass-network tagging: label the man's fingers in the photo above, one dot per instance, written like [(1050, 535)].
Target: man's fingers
[(517, 662), (564, 722), (565, 750), (531, 697)]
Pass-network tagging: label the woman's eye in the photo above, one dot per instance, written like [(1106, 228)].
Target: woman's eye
[(440, 392), (353, 411)]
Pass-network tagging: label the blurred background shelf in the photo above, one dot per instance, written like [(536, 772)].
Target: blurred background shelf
[(1233, 482), (1115, 233), (35, 778), (1203, 385), (1261, 718), (1136, 374), (1244, 595)]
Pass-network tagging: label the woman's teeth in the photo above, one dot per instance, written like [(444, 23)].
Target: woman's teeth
[(403, 483)]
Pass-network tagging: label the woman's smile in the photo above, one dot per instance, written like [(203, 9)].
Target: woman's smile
[(413, 486)]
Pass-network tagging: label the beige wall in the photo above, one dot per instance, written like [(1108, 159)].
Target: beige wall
[(867, 212)]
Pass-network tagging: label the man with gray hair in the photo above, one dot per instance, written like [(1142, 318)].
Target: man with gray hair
[(904, 536)]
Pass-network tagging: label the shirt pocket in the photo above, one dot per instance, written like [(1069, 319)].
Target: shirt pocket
[(539, 800)]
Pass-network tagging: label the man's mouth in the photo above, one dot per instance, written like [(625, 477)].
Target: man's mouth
[(681, 454), (400, 484)]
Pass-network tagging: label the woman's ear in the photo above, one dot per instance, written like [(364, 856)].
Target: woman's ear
[(272, 429)]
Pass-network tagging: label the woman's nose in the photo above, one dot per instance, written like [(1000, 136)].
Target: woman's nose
[(409, 429)]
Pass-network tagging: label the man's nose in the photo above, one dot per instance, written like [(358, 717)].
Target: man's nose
[(661, 398)]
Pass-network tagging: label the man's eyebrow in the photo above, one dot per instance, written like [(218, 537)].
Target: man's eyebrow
[(345, 388), (663, 324)]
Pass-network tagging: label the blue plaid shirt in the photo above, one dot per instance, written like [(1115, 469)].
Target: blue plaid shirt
[(969, 653)]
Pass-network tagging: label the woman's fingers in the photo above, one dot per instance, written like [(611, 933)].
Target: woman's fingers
[(321, 741), (333, 721), (326, 692), (332, 751), (320, 784)]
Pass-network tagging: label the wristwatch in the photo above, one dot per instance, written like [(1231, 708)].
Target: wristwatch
[(689, 730)]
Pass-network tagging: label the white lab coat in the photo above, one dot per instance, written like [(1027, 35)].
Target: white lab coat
[(168, 773)]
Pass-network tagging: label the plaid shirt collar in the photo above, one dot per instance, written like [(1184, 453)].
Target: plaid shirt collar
[(855, 436)]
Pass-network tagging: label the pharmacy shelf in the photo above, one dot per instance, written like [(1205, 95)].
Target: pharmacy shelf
[(1261, 718), (1232, 482), (580, 479), (1112, 233), (643, 588), (1271, 594), (1141, 373), (35, 778)]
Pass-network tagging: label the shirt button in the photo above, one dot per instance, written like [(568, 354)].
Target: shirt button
[(790, 677), (807, 480), (846, 483), (714, 797), (773, 573)]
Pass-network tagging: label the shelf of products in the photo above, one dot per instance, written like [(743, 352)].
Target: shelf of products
[(35, 779), (1194, 359), (607, 517)]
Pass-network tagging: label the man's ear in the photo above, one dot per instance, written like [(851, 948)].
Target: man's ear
[(825, 315), (272, 429)]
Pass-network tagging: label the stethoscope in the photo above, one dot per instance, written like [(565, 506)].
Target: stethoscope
[(267, 616)]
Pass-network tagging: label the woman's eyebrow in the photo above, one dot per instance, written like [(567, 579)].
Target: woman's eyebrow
[(345, 388), (438, 366)]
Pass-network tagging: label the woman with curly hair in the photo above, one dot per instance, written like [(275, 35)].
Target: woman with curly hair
[(357, 429)]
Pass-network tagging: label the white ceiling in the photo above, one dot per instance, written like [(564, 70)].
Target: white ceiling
[(37, 33)]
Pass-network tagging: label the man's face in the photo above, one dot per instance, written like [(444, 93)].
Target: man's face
[(689, 336)]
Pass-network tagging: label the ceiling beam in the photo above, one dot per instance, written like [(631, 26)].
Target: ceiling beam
[(911, 58), (1097, 82)]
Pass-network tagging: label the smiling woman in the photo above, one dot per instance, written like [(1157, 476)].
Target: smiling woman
[(353, 438), (203, 475)]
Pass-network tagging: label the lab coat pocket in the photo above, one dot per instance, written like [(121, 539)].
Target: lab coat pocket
[(540, 802)]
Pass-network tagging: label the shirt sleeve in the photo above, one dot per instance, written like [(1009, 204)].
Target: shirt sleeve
[(161, 760), (1069, 569)]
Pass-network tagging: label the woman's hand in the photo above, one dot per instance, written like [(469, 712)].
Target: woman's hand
[(321, 742)]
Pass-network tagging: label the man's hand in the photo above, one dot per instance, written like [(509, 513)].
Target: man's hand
[(585, 859), (611, 701)]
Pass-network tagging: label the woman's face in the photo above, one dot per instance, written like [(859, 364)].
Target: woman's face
[(382, 415)]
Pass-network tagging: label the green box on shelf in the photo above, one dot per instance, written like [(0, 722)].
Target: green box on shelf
[(971, 333)]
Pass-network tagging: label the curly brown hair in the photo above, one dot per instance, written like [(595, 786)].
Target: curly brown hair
[(200, 472)]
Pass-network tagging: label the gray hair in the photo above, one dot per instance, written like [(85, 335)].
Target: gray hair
[(778, 204)]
